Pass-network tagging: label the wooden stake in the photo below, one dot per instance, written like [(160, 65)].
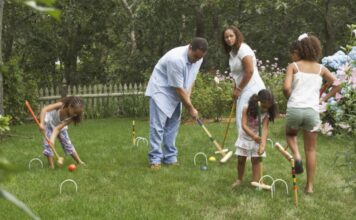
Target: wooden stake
[(295, 188), (133, 133)]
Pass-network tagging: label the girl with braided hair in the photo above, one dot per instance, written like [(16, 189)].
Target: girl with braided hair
[(54, 121)]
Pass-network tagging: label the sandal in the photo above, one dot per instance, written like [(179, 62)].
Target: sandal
[(155, 166)]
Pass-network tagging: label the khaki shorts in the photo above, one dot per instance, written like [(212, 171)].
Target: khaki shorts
[(305, 118)]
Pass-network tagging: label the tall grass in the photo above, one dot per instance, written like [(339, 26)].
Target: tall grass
[(117, 183)]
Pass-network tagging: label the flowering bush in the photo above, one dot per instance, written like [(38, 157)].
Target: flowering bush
[(273, 77), (339, 113)]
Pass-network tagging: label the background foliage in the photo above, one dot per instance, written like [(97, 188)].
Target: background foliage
[(120, 41), (93, 39)]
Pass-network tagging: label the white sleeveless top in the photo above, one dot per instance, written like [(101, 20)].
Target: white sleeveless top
[(305, 90), (52, 119), (237, 70)]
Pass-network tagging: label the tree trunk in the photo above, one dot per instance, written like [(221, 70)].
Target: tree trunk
[(329, 33), (132, 25), (200, 28), (1, 76), (180, 38)]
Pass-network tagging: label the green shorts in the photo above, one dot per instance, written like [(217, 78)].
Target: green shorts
[(305, 118)]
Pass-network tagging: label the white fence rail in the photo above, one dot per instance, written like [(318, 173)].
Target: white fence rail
[(95, 96)]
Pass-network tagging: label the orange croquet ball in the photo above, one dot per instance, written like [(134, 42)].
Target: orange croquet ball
[(72, 167)]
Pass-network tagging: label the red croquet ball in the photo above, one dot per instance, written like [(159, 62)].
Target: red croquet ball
[(72, 167)]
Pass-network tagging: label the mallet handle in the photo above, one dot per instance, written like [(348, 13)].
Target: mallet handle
[(260, 132), (322, 90), (285, 153), (217, 145), (259, 119), (228, 123), (32, 113), (38, 124)]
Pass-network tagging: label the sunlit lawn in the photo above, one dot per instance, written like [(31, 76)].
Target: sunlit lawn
[(117, 183)]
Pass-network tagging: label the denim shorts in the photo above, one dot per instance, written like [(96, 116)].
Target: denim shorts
[(305, 118)]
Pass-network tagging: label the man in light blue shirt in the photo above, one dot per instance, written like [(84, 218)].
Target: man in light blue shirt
[(171, 84)]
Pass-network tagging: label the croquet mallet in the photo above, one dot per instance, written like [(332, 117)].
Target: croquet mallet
[(226, 156), (260, 132), (260, 184), (59, 158), (290, 158), (228, 123)]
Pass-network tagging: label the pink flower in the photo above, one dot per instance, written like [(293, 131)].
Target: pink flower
[(336, 82), (345, 67), (326, 129), (322, 107), (353, 78), (338, 96), (345, 126)]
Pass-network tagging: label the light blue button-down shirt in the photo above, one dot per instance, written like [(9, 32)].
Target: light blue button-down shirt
[(172, 71)]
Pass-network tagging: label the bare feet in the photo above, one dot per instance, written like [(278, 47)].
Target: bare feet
[(308, 190), (236, 184)]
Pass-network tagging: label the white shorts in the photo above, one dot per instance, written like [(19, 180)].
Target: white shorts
[(248, 152)]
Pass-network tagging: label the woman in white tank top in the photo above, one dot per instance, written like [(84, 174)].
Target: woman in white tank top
[(301, 86)]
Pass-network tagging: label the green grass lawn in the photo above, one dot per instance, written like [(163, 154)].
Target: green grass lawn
[(117, 183)]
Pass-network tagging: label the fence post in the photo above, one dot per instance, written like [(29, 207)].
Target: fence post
[(64, 87)]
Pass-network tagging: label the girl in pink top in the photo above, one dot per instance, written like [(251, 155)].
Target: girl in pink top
[(249, 143)]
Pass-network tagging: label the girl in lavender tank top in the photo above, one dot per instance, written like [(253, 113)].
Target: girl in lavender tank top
[(54, 119)]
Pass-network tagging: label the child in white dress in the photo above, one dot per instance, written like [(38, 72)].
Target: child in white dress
[(249, 143)]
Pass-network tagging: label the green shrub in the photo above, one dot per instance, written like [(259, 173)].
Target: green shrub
[(4, 124), (211, 99), (133, 106), (18, 87)]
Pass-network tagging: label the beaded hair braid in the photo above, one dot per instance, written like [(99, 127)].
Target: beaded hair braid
[(74, 102)]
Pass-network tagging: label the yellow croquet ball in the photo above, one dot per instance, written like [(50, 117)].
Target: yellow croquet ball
[(212, 159)]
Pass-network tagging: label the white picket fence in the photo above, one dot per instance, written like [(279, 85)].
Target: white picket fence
[(95, 96)]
